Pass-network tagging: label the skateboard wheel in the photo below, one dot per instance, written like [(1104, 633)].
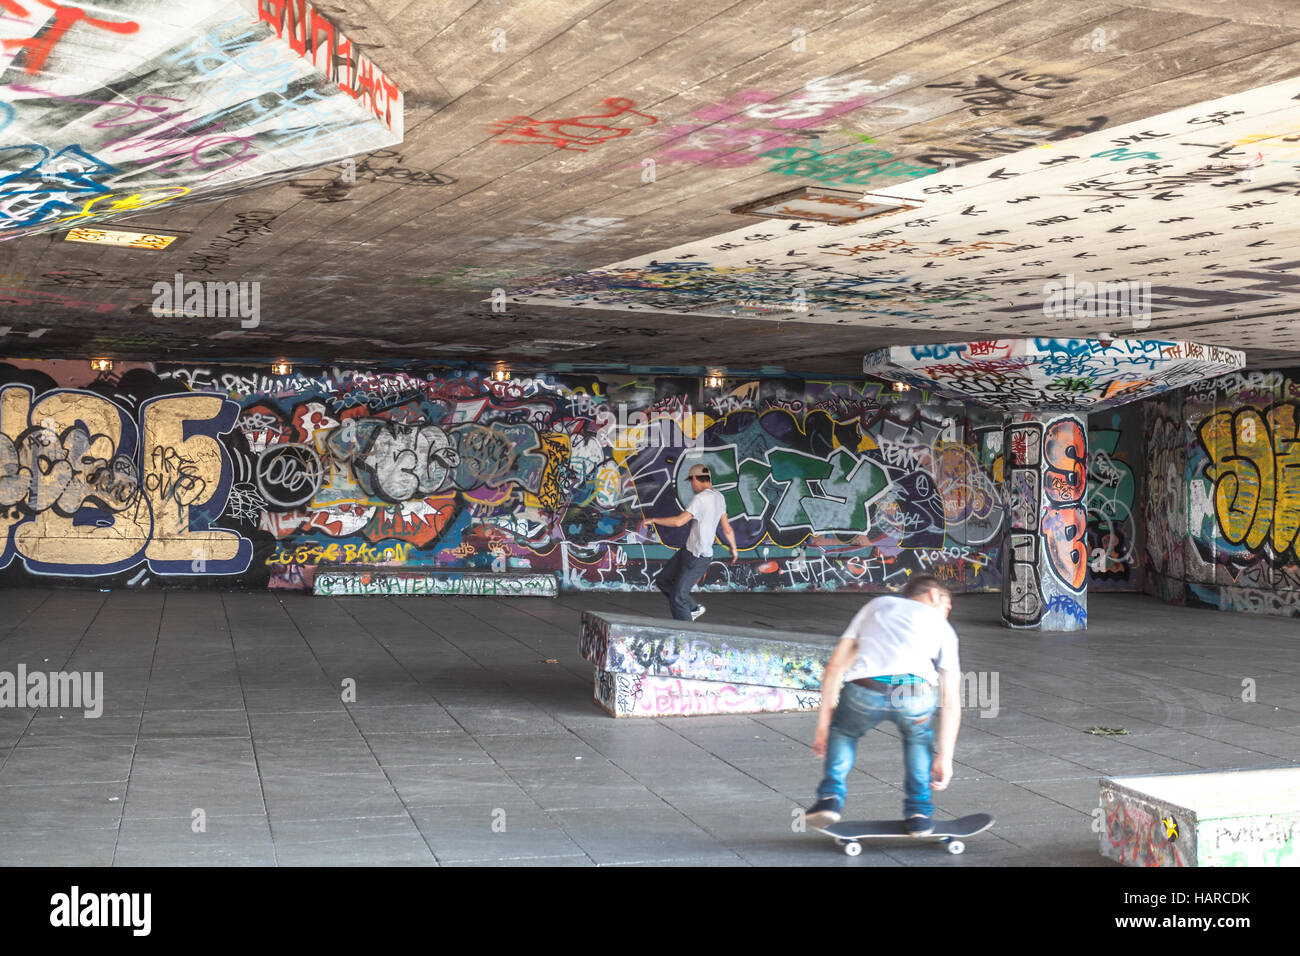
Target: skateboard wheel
[(852, 849), (956, 846)]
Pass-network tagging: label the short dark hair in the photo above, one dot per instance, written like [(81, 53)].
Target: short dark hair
[(925, 582)]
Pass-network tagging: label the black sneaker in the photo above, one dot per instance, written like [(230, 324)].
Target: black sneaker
[(824, 812), (918, 826)]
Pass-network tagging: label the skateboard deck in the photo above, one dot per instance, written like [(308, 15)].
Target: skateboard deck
[(847, 833)]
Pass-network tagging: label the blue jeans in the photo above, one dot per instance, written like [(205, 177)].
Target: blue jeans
[(911, 708), (676, 579)]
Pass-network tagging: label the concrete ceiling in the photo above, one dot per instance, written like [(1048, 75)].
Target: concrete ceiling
[(526, 160)]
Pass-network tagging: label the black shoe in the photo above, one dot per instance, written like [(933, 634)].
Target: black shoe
[(824, 812), (918, 826)]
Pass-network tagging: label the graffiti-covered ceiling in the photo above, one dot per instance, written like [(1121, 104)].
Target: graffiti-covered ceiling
[(391, 179)]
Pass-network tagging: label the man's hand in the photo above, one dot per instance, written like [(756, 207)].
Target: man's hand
[(735, 555), (819, 740), (940, 772)]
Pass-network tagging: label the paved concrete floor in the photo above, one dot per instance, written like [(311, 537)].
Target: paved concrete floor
[(474, 740)]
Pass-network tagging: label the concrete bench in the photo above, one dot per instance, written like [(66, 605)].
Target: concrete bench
[(1207, 818), (358, 580), (657, 667)]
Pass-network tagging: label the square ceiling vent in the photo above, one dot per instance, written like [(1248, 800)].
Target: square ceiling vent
[(837, 207)]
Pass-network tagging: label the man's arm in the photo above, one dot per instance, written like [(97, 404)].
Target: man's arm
[(730, 537), (684, 518), (949, 721), (833, 677)]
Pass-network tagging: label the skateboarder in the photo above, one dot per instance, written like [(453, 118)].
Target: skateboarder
[(708, 510), (894, 655)]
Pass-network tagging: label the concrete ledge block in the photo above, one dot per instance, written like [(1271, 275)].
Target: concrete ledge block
[(630, 644), (346, 581), (644, 695), (1209, 818)]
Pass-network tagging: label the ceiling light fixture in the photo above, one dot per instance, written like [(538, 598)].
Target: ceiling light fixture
[(101, 365), (281, 368), (118, 237)]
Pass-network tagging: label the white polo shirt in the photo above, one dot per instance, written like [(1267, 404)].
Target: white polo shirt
[(897, 635)]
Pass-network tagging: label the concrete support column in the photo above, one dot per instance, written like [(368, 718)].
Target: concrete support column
[(1045, 551)]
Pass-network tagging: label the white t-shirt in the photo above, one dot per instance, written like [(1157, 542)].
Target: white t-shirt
[(708, 507), (897, 635)]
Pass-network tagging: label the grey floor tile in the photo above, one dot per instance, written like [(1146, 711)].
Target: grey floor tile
[(161, 760), (426, 749), (231, 722), (355, 841), (545, 751), (649, 835), (49, 805), (414, 718), (63, 845), (214, 792), (206, 828), (315, 756), (198, 853), (517, 831), (439, 785), (484, 718), (1081, 794), (62, 730), (80, 761), (275, 698), (334, 795), (315, 725), (591, 786), (1205, 752)]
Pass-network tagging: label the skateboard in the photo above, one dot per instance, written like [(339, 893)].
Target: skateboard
[(847, 833)]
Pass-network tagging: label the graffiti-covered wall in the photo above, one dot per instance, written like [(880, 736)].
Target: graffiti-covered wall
[(1223, 509), (226, 476), (181, 475)]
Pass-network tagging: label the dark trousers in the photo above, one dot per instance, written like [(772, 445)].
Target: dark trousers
[(682, 572)]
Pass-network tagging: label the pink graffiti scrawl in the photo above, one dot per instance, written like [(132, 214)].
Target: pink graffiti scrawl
[(40, 46), (574, 132)]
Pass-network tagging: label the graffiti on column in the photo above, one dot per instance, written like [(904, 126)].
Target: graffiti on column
[(1064, 520), (1047, 548), (1022, 596), (1224, 520)]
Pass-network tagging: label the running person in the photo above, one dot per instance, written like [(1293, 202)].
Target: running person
[(707, 510)]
